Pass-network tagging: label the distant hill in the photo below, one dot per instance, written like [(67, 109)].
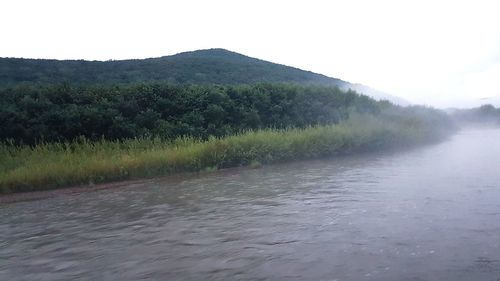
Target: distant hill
[(211, 66), (485, 114)]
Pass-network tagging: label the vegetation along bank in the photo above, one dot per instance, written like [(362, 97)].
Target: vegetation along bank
[(60, 135)]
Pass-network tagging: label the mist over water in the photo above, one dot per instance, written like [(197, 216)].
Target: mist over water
[(431, 213)]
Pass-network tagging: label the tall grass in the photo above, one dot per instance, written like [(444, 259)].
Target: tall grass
[(48, 166)]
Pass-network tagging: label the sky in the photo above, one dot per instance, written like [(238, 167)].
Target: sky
[(437, 53)]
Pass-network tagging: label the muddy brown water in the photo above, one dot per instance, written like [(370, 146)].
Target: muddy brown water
[(431, 213)]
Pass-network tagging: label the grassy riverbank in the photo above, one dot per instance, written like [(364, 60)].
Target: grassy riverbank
[(49, 166)]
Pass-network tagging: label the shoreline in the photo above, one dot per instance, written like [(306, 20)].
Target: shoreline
[(44, 194), (90, 166), (11, 198)]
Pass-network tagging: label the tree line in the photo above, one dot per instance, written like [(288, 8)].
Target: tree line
[(64, 112)]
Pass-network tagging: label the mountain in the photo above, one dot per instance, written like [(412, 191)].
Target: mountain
[(211, 66)]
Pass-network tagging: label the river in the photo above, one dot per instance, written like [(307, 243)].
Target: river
[(430, 213)]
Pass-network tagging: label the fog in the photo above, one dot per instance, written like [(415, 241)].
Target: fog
[(128, 177)]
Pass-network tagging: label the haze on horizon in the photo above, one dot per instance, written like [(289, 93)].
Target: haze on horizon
[(439, 53)]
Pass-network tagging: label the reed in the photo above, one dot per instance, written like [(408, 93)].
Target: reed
[(54, 165)]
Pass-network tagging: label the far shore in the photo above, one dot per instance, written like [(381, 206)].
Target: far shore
[(10, 198)]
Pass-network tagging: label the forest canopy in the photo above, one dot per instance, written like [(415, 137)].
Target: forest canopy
[(31, 114)]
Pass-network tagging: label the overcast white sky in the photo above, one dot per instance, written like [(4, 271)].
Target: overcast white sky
[(441, 53)]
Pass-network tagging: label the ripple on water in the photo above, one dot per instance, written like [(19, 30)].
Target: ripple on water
[(431, 213)]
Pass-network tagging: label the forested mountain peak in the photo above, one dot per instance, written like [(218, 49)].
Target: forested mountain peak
[(209, 66), (212, 53)]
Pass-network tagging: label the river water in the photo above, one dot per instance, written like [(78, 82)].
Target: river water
[(431, 213)]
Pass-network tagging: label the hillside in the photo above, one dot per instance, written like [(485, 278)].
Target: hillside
[(485, 114), (212, 66)]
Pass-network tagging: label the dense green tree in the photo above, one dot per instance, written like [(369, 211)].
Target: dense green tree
[(217, 66), (63, 112), (31, 114)]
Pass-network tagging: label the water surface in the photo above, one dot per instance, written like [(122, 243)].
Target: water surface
[(432, 213)]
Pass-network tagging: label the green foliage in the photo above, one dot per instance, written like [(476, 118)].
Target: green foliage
[(53, 165), (94, 130), (33, 114), (214, 66)]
